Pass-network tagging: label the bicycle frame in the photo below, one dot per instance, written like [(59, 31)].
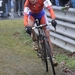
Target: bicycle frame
[(40, 30)]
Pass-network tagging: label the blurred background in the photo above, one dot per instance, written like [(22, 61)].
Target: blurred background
[(14, 8)]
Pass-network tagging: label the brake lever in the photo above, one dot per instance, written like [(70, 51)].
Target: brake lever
[(54, 29)]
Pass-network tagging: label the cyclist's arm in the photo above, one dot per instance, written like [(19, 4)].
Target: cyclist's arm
[(26, 11), (48, 5)]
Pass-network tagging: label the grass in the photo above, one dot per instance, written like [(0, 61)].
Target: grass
[(12, 33), (14, 40), (70, 61)]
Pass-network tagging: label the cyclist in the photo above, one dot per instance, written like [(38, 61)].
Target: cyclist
[(34, 9)]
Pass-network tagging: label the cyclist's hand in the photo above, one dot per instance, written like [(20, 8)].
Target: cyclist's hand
[(54, 23), (67, 7), (28, 29)]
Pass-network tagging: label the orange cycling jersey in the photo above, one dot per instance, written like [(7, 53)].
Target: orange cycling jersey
[(35, 8), (38, 7)]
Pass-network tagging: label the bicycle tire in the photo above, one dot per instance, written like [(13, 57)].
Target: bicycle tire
[(42, 49), (44, 59), (49, 55)]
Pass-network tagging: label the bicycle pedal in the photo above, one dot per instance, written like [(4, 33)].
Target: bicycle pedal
[(48, 57)]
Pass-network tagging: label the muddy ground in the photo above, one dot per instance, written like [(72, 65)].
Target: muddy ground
[(14, 63)]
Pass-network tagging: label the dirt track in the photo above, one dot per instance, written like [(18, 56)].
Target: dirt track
[(13, 63)]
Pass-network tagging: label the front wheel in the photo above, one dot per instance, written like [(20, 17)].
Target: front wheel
[(42, 50), (44, 57), (48, 51)]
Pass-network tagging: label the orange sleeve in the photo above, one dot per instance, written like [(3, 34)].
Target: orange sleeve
[(25, 20), (51, 11), (25, 14)]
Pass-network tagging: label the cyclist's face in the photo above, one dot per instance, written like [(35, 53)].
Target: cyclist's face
[(33, 1)]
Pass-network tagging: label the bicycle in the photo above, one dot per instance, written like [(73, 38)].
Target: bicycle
[(44, 47)]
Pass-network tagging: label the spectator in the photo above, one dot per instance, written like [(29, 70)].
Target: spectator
[(23, 1), (5, 9), (53, 2), (21, 6), (16, 7), (60, 2), (9, 6), (71, 3), (57, 2)]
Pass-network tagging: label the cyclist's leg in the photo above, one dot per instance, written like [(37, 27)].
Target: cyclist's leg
[(31, 23), (33, 35)]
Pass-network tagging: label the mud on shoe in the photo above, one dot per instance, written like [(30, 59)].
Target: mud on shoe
[(39, 54), (35, 46), (54, 61)]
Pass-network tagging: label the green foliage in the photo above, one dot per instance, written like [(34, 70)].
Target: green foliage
[(70, 61), (13, 36)]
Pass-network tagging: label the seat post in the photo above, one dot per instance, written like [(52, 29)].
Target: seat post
[(37, 22)]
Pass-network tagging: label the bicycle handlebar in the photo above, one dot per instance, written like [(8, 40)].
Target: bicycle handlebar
[(42, 25)]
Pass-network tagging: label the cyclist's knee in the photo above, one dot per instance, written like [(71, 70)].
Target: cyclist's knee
[(28, 29), (47, 33)]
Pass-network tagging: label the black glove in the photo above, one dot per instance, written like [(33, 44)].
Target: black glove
[(28, 29), (54, 23)]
